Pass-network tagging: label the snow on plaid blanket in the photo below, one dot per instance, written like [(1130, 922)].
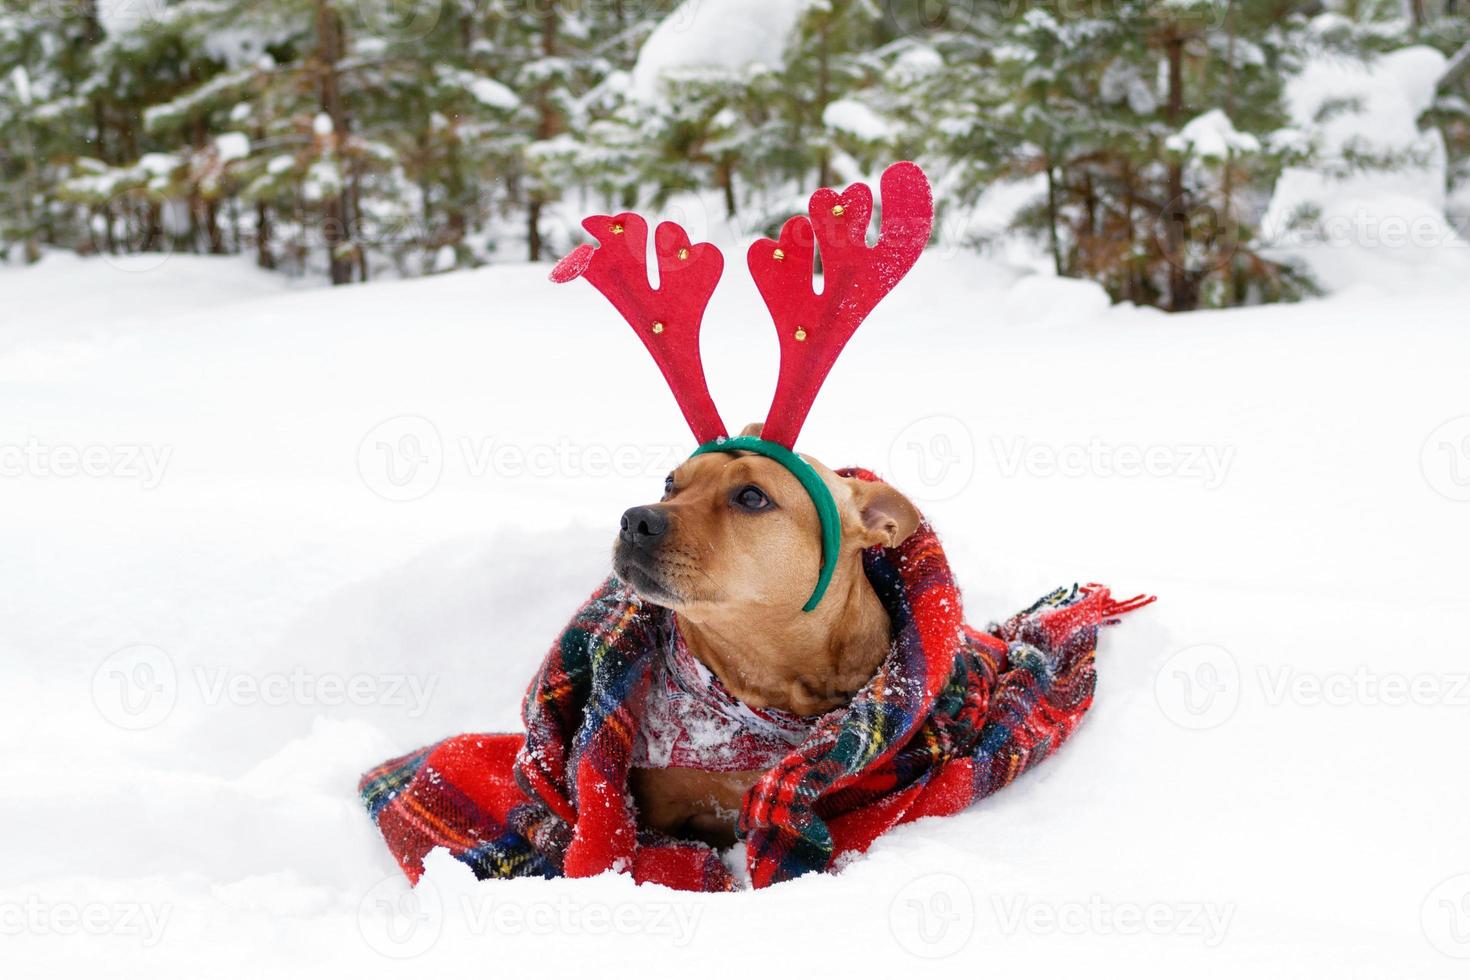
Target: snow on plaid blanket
[(953, 715)]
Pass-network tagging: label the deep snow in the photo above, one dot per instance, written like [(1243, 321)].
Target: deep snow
[(198, 669)]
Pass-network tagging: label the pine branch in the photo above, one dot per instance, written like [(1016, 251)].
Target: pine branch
[(1457, 69)]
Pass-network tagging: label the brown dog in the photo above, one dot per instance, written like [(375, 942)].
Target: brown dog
[(734, 549)]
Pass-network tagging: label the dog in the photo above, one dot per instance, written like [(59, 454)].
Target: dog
[(733, 549)]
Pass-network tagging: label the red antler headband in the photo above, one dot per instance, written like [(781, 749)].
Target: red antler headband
[(813, 327)]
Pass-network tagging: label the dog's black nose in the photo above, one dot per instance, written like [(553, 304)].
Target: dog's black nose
[(644, 526)]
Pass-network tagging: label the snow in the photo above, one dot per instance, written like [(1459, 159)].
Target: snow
[(721, 35), (122, 16), (485, 90), (856, 119), (491, 93), (445, 259), (1370, 225), (1211, 135), (916, 62), (232, 146), (323, 179), (372, 514), (20, 80), (159, 164)]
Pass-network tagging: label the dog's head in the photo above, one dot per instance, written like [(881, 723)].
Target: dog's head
[(737, 530)]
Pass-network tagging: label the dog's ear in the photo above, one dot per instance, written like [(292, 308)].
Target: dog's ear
[(887, 516), (753, 429)]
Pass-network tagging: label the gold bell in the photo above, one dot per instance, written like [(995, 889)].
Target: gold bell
[(800, 333), (778, 255), (837, 210), (658, 326), (683, 254), (617, 229)]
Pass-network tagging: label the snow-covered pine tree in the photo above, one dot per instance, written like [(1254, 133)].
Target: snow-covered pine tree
[(580, 130), (182, 131), (1148, 124), (348, 136), (55, 108), (36, 45), (823, 64), (1446, 26), (760, 124), (433, 112)]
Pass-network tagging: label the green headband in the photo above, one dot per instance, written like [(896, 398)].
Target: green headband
[(816, 488)]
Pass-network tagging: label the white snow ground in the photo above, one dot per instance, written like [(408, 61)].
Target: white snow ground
[(239, 609)]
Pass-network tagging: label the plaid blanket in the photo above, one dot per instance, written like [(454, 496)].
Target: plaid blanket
[(953, 715)]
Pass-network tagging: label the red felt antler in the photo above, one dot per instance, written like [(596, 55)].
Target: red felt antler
[(666, 319), (814, 327)]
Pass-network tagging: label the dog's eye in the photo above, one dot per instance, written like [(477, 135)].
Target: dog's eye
[(752, 498), (668, 486)]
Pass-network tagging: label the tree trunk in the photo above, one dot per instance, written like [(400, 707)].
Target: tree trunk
[(1051, 218), (1457, 69), (99, 126), (27, 191), (109, 233), (824, 84), (727, 184), (457, 192), (153, 235), (1183, 291), (1087, 249), (339, 249), (93, 35), (212, 230), (466, 31), (1226, 218), (1225, 226), (547, 126), (1135, 285), (264, 257), (533, 228), (336, 230)]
